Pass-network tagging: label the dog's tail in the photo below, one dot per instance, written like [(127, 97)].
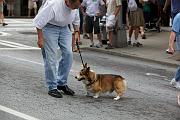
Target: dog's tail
[(123, 83)]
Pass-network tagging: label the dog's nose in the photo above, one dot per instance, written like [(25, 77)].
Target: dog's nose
[(76, 77)]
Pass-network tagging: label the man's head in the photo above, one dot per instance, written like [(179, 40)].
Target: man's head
[(73, 4)]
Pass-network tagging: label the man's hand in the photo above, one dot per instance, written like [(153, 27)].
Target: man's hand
[(40, 38), (40, 43)]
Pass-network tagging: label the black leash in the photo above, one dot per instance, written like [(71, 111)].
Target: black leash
[(77, 44)]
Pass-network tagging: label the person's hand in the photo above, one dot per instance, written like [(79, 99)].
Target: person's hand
[(170, 50), (84, 14), (77, 36), (40, 43)]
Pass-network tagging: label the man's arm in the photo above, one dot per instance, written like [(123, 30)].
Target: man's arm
[(40, 38), (117, 10)]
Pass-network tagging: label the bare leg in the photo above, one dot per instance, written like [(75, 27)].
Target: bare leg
[(110, 37), (91, 38), (29, 12), (136, 33), (178, 96), (99, 38)]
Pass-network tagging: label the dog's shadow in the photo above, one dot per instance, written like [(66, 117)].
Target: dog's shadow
[(101, 99)]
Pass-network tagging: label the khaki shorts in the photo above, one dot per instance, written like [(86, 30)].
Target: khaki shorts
[(136, 18), (32, 5)]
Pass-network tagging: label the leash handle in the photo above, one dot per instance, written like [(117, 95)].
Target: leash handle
[(77, 44)]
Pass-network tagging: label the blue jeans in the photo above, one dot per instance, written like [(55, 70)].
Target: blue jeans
[(177, 74), (57, 68)]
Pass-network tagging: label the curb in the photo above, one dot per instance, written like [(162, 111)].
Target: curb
[(130, 56)]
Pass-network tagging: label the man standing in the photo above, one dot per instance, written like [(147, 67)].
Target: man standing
[(53, 32), (92, 16), (113, 16)]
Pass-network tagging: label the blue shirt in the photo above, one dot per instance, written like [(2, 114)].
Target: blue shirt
[(176, 24)]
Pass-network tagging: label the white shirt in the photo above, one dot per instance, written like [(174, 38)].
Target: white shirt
[(57, 13), (92, 6)]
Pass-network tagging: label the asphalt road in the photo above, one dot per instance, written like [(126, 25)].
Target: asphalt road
[(23, 93)]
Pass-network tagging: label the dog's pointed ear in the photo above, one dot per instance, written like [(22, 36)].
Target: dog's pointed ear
[(85, 65), (88, 69)]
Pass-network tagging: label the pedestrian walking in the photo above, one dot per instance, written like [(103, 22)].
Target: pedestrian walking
[(175, 9), (175, 82), (2, 13), (53, 33), (176, 30)]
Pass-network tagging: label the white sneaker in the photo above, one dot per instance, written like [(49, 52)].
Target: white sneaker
[(99, 45), (177, 85), (173, 82)]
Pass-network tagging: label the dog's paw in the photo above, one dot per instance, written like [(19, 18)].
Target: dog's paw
[(117, 98), (96, 96)]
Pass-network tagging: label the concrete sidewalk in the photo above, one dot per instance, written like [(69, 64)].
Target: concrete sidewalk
[(153, 50)]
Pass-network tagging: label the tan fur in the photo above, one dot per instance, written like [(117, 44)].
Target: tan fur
[(101, 83)]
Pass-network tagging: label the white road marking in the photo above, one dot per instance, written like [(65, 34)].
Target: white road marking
[(72, 71), (16, 113), (4, 34), (22, 48), (15, 45), (21, 59), (156, 75), (6, 44)]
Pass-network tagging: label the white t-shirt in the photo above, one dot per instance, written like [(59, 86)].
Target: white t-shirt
[(92, 6), (57, 13)]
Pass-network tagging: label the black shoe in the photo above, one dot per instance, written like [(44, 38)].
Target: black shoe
[(4, 24), (85, 36), (143, 36), (134, 44), (55, 93), (129, 42), (66, 90), (109, 46), (138, 44)]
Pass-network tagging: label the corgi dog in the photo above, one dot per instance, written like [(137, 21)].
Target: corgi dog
[(101, 83)]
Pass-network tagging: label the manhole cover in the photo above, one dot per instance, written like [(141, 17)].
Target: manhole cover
[(28, 33)]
